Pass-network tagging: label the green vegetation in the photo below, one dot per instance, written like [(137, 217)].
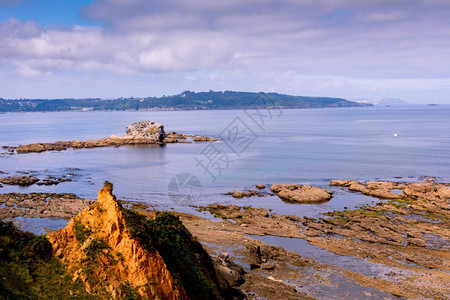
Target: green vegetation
[(96, 247), (187, 261), (29, 271), (81, 232), (184, 101)]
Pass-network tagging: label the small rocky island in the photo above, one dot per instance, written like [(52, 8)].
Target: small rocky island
[(139, 133)]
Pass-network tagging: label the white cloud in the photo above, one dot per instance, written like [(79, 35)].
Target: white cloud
[(304, 40)]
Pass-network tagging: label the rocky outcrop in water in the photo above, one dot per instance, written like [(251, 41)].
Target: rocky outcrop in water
[(379, 189), (19, 180), (240, 194), (30, 180), (139, 133), (298, 193)]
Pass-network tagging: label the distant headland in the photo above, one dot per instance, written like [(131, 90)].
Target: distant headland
[(185, 101)]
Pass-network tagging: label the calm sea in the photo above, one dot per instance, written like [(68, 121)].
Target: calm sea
[(308, 146)]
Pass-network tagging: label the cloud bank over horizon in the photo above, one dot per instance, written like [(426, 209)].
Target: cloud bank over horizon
[(345, 48)]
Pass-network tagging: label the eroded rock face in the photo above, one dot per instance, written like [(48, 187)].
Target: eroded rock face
[(100, 251), (301, 193), (146, 130)]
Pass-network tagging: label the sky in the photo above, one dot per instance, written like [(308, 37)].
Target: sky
[(352, 49)]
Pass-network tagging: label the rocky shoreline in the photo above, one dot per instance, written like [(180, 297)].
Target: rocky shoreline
[(397, 247), (405, 239)]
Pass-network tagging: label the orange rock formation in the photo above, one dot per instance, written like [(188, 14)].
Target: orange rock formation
[(100, 251)]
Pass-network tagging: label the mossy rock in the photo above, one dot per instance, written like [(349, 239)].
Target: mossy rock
[(187, 261)]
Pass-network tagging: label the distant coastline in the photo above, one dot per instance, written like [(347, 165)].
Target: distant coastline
[(185, 101)]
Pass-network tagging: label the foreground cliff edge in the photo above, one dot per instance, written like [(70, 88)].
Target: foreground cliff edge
[(114, 252)]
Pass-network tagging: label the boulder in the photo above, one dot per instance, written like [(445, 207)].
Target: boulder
[(146, 130), (230, 271), (301, 193), (238, 194), (260, 186)]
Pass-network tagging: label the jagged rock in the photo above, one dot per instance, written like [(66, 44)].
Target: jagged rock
[(146, 130), (106, 246), (301, 193), (118, 258)]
